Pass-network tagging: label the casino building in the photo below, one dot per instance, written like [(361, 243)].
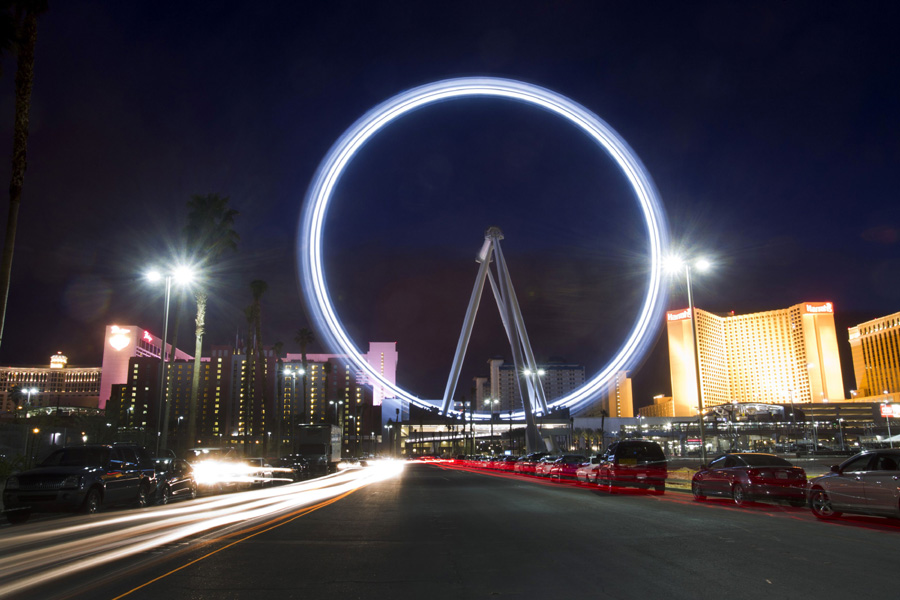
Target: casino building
[(875, 347), (777, 357)]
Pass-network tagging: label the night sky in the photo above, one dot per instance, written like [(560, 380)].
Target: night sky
[(772, 132)]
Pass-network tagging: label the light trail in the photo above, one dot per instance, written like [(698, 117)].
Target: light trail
[(31, 559), (330, 170)]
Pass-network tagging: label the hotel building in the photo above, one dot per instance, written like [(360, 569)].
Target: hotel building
[(777, 357), (557, 378), (875, 347), (58, 387)]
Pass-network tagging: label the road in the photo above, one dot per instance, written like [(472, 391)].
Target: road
[(434, 531)]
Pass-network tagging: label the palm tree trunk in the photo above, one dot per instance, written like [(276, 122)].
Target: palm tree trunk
[(24, 85), (201, 297)]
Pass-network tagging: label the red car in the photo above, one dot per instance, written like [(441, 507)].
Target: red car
[(564, 468), (542, 468), (527, 463), (750, 476)]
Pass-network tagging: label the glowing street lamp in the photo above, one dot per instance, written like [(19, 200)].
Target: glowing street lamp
[(29, 392), (887, 416), (674, 264), (491, 403), (182, 275)]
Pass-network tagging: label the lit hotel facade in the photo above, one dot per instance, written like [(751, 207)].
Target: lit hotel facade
[(875, 347), (777, 357)]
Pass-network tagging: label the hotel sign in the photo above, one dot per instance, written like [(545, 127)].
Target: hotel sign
[(819, 307), (120, 337), (678, 315), (890, 410)]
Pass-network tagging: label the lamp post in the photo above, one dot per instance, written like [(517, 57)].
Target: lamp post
[(888, 416), (29, 392), (491, 403), (676, 264), (182, 275)]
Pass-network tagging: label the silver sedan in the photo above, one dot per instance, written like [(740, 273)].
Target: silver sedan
[(868, 483)]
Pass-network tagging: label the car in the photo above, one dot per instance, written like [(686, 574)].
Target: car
[(527, 463), (506, 463), (175, 480), (259, 472), (587, 472), (745, 476), (863, 484), (633, 463), (542, 468), (564, 467), (293, 467), (217, 470), (83, 478)]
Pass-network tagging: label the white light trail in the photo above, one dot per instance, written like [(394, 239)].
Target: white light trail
[(31, 559), (339, 156)]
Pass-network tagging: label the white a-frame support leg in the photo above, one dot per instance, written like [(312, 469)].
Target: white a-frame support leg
[(534, 399)]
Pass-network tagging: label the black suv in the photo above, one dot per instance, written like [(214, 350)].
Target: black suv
[(633, 463), (81, 478)]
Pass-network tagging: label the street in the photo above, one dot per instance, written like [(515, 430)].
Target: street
[(436, 531)]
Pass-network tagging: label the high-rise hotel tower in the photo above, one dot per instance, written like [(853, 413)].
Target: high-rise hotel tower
[(875, 346), (777, 356)]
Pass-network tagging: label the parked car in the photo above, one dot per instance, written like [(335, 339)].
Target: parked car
[(507, 463), (587, 472), (865, 484), (633, 463), (527, 463), (542, 468), (175, 480), (748, 476), (564, 467), (293, 467), (81, 478)]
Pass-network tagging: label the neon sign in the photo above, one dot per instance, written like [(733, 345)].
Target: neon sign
[(827, 307), (890, 410), (147, 337), (678, 316), (120, 337)]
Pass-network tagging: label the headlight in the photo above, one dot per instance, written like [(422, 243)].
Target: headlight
[(12, 483), (72, 481)]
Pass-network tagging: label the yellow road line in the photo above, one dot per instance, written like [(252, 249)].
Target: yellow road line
[(283, 521)]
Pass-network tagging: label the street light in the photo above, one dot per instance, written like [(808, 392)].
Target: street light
[(29, 392), (182, 275), (887, 416), (492, 403), (674, 265)]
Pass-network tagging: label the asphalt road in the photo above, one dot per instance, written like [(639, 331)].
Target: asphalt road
[(439, 532)]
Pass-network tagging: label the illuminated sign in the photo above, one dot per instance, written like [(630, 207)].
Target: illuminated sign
[(890, 410), (826, 307), (58, 361), (678, 315), (120, 337), (147, 337)]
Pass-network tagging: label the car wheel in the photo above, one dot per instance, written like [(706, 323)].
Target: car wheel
[(92, 502), (165, 495), (659, 489), (738, 495), (699, 496), (606, 485), (194, 491), (820, 505), (141, 500), (15, 517)]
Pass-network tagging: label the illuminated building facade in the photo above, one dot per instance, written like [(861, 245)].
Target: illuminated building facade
[(57, 387), (778, 356), (122, 342), (557, 377), (875, 347)]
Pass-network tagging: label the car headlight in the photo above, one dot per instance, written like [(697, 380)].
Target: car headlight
[(12, 483), (72, 481)]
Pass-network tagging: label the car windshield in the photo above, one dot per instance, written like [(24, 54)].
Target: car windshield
[(764, 460), (77, 457), (574, 458), (641, 453)]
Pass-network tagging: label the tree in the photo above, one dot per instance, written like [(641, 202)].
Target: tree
[(304, 337), (209, 235), (18, 31)]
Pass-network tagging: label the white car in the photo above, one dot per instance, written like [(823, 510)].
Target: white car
[(587, 473), (868, 483)]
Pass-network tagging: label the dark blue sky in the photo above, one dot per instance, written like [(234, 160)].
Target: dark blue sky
[(771, 131)]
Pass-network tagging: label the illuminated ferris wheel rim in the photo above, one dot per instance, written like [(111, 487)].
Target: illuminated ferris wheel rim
[(330, 170)]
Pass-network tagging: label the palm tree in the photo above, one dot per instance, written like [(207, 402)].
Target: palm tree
[(18, 30), (209, 234), (304, 337), (603, 414)]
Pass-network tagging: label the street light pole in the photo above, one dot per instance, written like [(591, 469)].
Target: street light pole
[(696, 340), (888, 417), (162, 417)]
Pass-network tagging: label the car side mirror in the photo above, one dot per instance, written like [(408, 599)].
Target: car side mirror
[(836, 469)]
